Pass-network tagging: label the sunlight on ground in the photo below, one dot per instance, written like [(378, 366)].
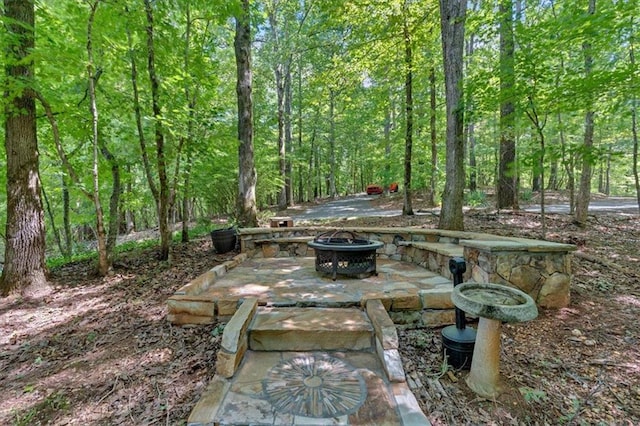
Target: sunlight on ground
[(19, 324), (250, 289), (629, 299), (567, 313)]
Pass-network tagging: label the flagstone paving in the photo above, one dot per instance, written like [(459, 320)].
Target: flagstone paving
[(303, 349), (290, 281)]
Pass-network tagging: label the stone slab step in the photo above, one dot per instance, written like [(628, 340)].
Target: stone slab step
[(310, 329)]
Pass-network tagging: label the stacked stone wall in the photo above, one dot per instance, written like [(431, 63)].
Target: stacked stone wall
[(540, 268)]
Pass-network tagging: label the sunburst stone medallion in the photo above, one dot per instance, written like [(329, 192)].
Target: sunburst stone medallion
[(315, 386)]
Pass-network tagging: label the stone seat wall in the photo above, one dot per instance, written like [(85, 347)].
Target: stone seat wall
[(540, 268)]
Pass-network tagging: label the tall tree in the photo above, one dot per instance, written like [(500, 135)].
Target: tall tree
[(507, 194), (470, 136), (567, 157), (452, 21), (333, 166), (433, 136), (584, 191), (104, 261), (191, 97), (163, 197), (634, 116), (106, 242), (282, 73), (247, 213), (24, 268), (407, 208), (539, 123)]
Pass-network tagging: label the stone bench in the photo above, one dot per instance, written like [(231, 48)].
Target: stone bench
[(436, 255), (540, 268)]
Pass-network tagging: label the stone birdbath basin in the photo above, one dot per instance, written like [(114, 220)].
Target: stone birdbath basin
[(493, 304)]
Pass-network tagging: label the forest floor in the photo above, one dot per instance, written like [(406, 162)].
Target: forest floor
[(100, 351)]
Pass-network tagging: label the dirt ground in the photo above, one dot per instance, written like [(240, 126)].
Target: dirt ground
[(100, 351)]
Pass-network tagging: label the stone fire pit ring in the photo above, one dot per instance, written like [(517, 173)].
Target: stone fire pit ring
[(344, 253)]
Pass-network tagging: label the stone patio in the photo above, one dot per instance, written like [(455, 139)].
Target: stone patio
[(409, 292), (301, 348)]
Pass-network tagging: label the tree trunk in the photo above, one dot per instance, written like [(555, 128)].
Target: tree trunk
[(191, 97), (52, 218), (138, 114), (301, 190), (536, 180), (332, 144), (634, 128), (129, 217), (72, 173), (163, 201), (506, 193), (282, 193), (470, 136), (24, 269), (452, 18), (553, 176), (92, 77), (568, 162), (105, 258), (387, 141), (540, 125), (247, 213), (607, 174), (634, 120), (434, 137), (584, 192), (186, 205), (288, 140), (314, 179), (407, 209), (566, 157), (114, 201), (66, 218)]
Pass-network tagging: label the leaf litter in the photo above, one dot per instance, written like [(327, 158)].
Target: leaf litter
[(100, 350)]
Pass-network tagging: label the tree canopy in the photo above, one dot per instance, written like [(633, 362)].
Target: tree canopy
[(138, 111)]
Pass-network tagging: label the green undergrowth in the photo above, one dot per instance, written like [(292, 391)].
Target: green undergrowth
[(198, 231), (42, 411)]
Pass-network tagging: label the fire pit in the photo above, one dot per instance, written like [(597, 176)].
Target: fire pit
[(342, 252)]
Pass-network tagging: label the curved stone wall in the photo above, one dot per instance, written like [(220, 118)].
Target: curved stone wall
[(540, 268)]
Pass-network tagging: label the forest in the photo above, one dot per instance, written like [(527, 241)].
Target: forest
[(143, 113)]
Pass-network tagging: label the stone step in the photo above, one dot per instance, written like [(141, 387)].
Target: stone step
[(310, 329)]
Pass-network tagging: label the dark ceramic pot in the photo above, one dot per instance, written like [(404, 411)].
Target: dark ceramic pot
[(224, 240)]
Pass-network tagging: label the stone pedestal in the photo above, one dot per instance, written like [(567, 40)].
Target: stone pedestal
[(493, 304), (484, 377)]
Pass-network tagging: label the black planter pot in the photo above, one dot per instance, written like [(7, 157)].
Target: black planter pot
[(224, 240)]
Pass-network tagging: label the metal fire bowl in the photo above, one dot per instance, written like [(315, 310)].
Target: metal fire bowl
[(344, 255)]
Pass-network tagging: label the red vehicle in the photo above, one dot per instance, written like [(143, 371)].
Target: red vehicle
[(374, 189)]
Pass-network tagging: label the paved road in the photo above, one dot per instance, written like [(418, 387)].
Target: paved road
[(627, 205), (360, 206), (354, 206)]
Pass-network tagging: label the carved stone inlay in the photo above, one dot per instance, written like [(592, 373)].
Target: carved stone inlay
[(318, 386)]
